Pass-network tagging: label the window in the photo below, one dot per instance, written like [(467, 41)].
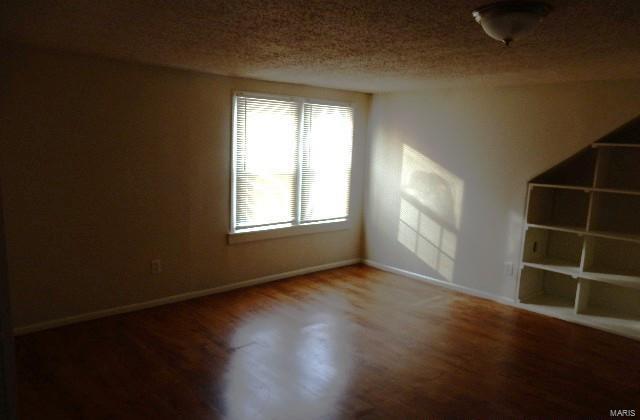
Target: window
[(291, 162)]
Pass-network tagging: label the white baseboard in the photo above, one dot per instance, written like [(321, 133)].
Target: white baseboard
[(21, 330), (576, 319), (438, 282), (279, 276)]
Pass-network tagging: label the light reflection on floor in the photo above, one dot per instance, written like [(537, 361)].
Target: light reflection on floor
[(284, 369)]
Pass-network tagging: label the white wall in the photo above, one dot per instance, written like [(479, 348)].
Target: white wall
[(483, 144), (106, 165)]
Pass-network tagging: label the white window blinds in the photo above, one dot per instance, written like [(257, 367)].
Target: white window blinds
[(292, 162), (326, 162)]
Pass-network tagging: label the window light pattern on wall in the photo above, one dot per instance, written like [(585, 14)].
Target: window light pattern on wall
[(292, 162), (430, 211)]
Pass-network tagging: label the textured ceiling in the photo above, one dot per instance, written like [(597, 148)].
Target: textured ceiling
[(365, 45)]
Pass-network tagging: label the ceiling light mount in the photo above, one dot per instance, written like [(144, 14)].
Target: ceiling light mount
[(506, 21)]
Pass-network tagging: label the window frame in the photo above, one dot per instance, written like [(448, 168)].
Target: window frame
[(295, 227)]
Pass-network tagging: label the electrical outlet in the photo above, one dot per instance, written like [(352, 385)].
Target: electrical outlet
[(508, 269), (156, 266)]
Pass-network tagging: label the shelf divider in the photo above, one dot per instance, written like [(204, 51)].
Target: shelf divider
[(582, 296)]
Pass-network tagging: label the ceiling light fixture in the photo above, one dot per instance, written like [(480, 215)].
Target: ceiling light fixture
[(506, 21)]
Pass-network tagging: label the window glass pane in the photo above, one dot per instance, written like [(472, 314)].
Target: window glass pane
[(266, 161), (326, 166)]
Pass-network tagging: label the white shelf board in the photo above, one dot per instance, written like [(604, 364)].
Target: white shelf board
[(596, 145), (623, 280), (570, 229), (581, 231), (561, 186), (599, 318), (550, 304), (572, 269), (620, 322), (614, 235), (615, 191), (555, 265), (586, 189)]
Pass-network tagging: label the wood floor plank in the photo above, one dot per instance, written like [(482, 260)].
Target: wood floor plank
[(353, 342)]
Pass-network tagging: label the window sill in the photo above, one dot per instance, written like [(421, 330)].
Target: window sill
[(283, 232)]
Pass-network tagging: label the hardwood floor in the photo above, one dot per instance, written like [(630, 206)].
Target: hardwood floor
[(353, 342)]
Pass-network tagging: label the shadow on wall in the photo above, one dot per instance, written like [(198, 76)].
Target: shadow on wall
[(430, 211)]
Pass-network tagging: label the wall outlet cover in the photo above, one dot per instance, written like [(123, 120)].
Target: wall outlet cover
[(156, 266)]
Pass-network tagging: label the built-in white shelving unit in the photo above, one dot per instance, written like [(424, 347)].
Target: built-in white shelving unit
[(581, 248)]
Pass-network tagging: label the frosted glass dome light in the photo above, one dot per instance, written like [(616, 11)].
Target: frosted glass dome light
[(506, 21)]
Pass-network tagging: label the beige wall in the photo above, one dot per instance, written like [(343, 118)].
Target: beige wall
[(487, 143), (107, 165)]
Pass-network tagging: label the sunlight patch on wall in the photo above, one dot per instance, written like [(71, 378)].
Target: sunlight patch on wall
[(430, 211)]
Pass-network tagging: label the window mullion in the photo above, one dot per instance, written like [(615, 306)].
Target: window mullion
[(299, 163)]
